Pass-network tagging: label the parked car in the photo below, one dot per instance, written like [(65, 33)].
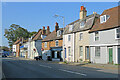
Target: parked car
[(4, 55), (38, 57)]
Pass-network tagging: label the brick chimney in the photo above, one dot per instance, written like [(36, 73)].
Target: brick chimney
[(56, 27), (48, 30), (83, 12), (43, 30)]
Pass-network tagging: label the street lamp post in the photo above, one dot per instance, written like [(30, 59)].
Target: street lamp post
[(63, 29)]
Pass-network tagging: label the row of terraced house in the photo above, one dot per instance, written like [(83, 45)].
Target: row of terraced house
[(94, 38)]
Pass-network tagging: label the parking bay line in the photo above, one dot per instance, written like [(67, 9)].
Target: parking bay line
[(73, 72)]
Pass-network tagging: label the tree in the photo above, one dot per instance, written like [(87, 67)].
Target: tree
[(14, 32), (31, 33)]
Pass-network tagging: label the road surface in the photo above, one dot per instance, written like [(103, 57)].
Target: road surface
[(16, 68)]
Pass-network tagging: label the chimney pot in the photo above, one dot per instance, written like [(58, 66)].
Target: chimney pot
[(82, 7), (56, 27), (47, 27), (43, 27), (56, 24)]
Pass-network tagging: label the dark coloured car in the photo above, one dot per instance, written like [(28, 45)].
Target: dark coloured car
[(4, 55), (38, 57)]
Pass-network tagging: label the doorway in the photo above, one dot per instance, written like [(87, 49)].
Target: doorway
[(110, 55), (87, 57)]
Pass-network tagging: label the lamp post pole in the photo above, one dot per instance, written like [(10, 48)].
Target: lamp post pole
[(63, 32)]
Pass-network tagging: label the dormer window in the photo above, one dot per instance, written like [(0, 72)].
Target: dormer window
[(43, 36), (59, 33), (70, 27), (82, 24), (104, 18)]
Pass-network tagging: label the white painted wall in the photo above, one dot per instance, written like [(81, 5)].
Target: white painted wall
[(35, 45), (67, 44), (106, 39)]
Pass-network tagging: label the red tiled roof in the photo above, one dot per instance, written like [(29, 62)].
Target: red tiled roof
[(112, 22)]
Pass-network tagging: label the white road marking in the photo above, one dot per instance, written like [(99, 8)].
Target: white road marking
[(99, 70), (45, 66), (4, 76), (73, 72)]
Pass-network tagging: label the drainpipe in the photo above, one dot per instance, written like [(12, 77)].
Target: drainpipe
[(73, 45)]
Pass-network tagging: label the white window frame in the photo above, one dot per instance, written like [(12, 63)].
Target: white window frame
[(58, 33), (97, 50), (117, 33), (70, 27), (96, 36), (81, 51), (81, 36), (69, 37), (104, 18), (69, 51), (45, 44), (56, 44)]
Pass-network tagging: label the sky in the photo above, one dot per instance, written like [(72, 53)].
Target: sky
[(34, 15)]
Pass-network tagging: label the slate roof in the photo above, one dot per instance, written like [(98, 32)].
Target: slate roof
[(37, 36), (53, 36), (112, 22), (89, 21)]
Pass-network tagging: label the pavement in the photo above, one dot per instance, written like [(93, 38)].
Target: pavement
[(100, 66), (23, 68)]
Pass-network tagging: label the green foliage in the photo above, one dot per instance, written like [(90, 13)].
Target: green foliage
[(32, 33), (14, 32), (65, 62)]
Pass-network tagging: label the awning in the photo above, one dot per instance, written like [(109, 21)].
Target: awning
[(56, 48)]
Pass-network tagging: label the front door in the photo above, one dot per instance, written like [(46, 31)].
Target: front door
[(65, 52), (110, 55), (87, 53), (118, 55)]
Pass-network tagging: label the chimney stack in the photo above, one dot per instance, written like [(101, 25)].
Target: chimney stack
[(43, 31), (83, 12), (48, 30), (43, 27), (56, 27)]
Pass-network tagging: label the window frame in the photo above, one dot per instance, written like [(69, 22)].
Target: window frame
[(58, 33), (95, 36), (80, 50), (69, 37), (102, 18), (71, 27), (57, 43), (105, 18), (69, 51), (97, 50), (45, 44), (117, 33), (80, 37)]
